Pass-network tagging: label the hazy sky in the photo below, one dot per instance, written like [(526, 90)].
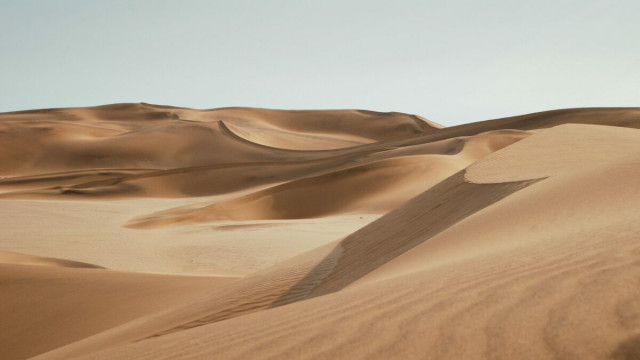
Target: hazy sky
[(450, 61)]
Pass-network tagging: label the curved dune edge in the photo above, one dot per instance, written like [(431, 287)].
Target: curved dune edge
[(13, 258), (555, 151), (293, 141), (320, 129), (301, 136)]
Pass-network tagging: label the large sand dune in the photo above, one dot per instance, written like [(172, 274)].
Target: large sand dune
[(318, 234)]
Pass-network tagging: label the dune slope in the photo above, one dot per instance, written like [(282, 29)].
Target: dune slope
[(47, 306), (503, 293)]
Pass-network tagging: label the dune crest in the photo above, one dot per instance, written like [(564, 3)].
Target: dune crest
[(7, 257)]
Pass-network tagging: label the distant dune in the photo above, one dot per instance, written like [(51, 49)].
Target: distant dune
[(318, 234)]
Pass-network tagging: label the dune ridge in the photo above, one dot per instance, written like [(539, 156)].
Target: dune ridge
[(7, 257), (318, 234)]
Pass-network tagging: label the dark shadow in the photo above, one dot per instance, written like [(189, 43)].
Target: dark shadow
[(397, 232), (628, 349)]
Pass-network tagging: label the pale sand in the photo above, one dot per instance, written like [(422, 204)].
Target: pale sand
[(357, 235)]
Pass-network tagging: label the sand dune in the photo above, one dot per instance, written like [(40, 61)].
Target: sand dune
[(318, 234), (105, 150), (140, 136), (384, 181), (44, 307)]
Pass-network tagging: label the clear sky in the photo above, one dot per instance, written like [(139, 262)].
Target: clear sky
[(450, 61)]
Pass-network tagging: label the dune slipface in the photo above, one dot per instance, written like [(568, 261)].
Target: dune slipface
[(139, 231)]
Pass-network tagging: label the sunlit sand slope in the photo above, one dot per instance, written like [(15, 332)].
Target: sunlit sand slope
[(543, 268)]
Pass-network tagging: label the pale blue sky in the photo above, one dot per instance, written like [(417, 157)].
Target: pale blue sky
[(450, 61)]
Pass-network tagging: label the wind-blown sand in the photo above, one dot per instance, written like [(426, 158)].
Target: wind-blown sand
[(318, 234)]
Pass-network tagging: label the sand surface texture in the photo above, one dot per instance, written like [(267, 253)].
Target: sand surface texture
[(139, 231)]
